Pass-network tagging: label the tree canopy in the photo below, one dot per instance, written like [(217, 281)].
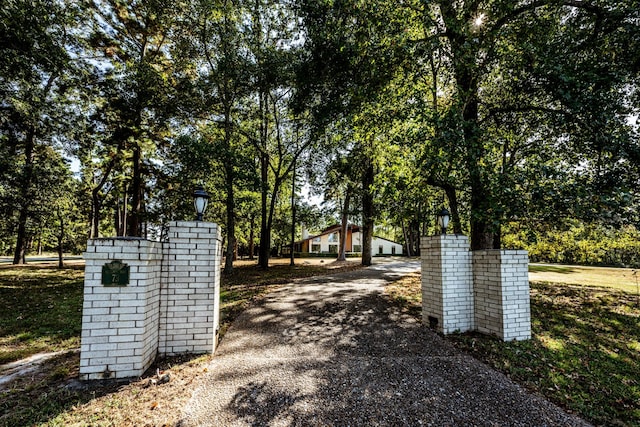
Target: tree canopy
[(505, 112)]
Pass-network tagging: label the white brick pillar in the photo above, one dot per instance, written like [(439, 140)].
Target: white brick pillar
[(447, 293), (190, 303), (501, 293), (120, 321)]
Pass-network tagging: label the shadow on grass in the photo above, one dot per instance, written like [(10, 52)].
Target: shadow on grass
[(585, 353), (40, 396), (53, 396), (550, 269)]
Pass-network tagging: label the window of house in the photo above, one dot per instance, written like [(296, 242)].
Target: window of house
[(393, 250), (380, 250), (333, 238), (333, 249), (316, 240), (315, 248), (357, 248)]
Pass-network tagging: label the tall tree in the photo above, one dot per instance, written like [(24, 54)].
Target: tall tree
[(136, 87), (485, 43), (214, 47), (35, 60), (273, 44)]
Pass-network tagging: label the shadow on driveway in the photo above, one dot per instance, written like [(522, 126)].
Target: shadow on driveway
[(334, 351)]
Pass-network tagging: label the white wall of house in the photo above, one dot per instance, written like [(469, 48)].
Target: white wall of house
[(379, 246), (385, 247), (330, 243)]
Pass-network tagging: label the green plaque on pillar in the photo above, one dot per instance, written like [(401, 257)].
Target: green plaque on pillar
[(115, 273)]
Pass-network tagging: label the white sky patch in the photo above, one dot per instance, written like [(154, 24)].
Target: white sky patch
[(312, 199), (75, 165)]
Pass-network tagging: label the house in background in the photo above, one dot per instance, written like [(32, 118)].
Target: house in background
[(328, 242)]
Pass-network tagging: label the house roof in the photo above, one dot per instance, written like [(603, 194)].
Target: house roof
[(329, 230), (387, 240), (335, 228)]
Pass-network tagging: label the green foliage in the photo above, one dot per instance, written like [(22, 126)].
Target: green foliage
[(578, 243), (35, 113), (136, 100)]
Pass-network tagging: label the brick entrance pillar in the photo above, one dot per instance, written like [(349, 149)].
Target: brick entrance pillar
[(501, 291), (486, 291), (144, 298), (447, 292), (190, 299), (120, 321)]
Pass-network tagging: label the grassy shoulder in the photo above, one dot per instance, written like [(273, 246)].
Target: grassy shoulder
[(41, 311), (584, 354), (624, 279)]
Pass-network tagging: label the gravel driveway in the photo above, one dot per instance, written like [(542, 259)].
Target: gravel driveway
[(331, 351)]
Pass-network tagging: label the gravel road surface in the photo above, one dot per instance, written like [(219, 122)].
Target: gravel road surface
[(332, 351)]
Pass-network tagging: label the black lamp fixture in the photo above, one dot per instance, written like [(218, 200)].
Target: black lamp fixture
[(443, 220), (200, 202)]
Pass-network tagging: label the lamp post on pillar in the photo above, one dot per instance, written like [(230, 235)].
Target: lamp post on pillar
[(443, 220), (200, 202)]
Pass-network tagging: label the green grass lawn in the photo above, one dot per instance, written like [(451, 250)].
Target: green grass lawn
[(584, 354), (624, 279), (40, 310)]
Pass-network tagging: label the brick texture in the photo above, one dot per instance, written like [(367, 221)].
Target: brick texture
[(120, 324), (501, 291), (487, 291), (447, 293), (170, 306), (190, 302)]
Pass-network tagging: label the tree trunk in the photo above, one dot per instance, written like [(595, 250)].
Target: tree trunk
[(230, 199), (61, 241), (19, 256), (265, 232), (94, 232), (367, 212), (231, 225), (95, 215), (252, 247), (293, 214), (450, 191), (39, 246), (122, 213), (466, 75), (265, 238), (407, 237), (272, 208), (342, 255), (136, 194)]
